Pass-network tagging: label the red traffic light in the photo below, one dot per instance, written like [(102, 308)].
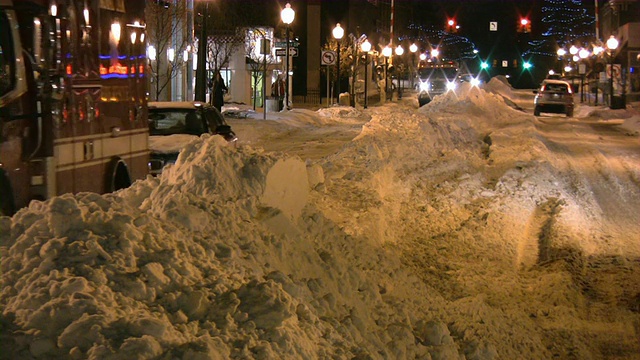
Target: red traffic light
[(525, 25), (452, 26)]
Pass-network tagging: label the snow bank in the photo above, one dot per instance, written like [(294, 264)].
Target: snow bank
[(202, 263)]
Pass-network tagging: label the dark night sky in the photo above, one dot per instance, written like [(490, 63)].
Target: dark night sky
[(473, 16)]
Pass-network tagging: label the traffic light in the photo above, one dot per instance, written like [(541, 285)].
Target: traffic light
[(525, 26), (526, 65), (484, 65), (452, 26)]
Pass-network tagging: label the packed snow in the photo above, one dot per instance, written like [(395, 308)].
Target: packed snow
[(464, 229)]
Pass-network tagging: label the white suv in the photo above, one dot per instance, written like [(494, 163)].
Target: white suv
[(554, 96)]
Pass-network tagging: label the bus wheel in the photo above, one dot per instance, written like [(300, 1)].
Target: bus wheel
[(117, 175), (7, 204)]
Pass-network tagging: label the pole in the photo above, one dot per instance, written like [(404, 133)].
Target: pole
[(286, 76), (597, 21), (328, 86), (366, 78), (264, 77), (201, 72), (386, 87), (338, 73), (596, 87), (391, 34), (354, 67), (611, 81)]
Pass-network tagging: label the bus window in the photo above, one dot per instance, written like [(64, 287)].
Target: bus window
[(7, 58)]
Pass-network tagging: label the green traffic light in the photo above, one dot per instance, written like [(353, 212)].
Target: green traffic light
[(484, 65), (527, 65)]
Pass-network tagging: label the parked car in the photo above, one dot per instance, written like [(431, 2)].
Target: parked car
[(173, 124), (554, 96)]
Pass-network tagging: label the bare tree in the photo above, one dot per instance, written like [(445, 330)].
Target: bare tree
[(221, 46), (256, 60), (168, 34), (225, 27)]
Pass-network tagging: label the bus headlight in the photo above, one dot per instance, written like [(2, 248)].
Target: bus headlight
[(451, 86), (424, 86)]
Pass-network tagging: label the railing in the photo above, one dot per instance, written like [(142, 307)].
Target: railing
[(312, 98)]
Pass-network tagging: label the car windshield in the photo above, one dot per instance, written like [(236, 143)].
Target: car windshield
[(449, 73), (176, 121)]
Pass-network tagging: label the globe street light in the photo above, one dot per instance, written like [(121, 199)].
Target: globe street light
[(287, 15), (366, 47), (338, 33), (612, 45)]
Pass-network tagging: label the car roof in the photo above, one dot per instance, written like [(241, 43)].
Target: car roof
[(557, 82), (177, 104)]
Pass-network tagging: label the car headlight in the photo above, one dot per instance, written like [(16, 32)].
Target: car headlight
[(475, 82), (451, 86), (424, 86)]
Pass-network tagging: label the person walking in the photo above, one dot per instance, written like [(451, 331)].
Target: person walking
[(219, 89), (277, 91)]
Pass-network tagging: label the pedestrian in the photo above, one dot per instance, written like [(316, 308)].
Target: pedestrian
[(219, 89), (277, 91)]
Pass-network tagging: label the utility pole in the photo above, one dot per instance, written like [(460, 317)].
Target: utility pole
[(201, 72)]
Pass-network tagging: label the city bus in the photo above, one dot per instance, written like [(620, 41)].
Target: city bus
[(73, 102)]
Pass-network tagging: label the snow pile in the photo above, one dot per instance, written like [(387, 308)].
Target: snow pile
[(203, 263)]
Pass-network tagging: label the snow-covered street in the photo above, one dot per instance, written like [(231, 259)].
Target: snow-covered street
[(465, 229)]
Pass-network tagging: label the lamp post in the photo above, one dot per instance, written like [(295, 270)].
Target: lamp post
[(612, 44), (597, 50), (386, 52), (435, 53), (366, 47), (399, 51), (583, 54), (287, 15), (413, 48), (561, 53), (338, 33), (201, 62)]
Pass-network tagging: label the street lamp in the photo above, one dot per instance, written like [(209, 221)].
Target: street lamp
[(561, 53), (573, 50), (399, 51), (338, 33), (151, 52), (386, 52), (287, 15), (435, 53), (366, 47), (612, 44), (582, 54), (413, 48)]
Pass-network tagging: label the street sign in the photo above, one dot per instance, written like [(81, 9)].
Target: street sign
[(493, 26), (283, 52), (283, 44), (328, 57)]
